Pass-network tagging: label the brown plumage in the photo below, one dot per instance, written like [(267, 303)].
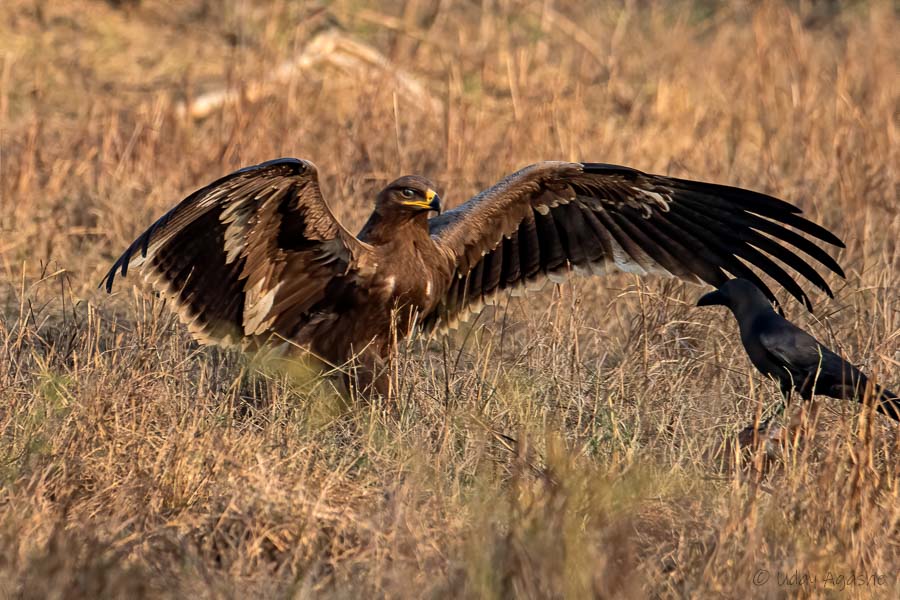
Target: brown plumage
[(257, 258)]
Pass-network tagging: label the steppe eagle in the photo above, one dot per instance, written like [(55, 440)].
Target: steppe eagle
[(257, 259)]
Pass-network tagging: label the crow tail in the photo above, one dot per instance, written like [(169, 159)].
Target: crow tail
[(887, 402)]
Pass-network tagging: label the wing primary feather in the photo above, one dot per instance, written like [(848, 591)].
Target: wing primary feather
[(763, 243), (724, 238), (699, 251), (733, 195), (748, 199), (743, 219), (712, 245), (756, 202), (813, 229)]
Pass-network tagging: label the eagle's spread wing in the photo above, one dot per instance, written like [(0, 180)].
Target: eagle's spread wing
[(247, 255), (551, 216)]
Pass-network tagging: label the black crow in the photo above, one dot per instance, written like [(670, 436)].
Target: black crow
[(781, 350)]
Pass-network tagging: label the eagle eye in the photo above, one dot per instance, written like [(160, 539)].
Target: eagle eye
[(408, 193)]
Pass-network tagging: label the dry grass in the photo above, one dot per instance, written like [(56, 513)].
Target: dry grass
[(573, 444)]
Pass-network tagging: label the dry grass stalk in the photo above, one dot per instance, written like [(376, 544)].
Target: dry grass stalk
[(567, 444)]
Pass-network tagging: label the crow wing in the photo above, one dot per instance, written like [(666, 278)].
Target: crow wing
[(552, 216), (247, 255), (807, 360), (796, 350)]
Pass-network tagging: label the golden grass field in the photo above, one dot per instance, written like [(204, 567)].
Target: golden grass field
[(576, 443)]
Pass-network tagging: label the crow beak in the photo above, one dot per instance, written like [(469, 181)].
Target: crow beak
[(434, 201), (714, 298)]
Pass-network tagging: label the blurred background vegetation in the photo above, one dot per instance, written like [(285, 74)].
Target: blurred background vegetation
[(574, 443)]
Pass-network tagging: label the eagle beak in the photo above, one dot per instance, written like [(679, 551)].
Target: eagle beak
[(431, 202), (714, 298), (434, 201)]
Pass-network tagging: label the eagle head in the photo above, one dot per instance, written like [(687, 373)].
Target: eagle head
[(412, 193)]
